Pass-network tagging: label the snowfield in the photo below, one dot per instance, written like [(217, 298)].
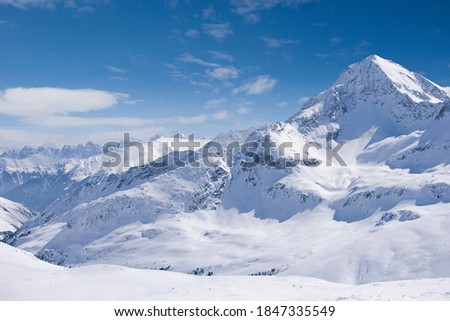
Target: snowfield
[(26, 278)]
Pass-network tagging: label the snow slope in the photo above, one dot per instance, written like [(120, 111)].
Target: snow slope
[(404, 242), (12, 217), (26, 278), (374, 92)]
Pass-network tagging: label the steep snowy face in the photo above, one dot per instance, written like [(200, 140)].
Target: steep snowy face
[(12, 217), (386, 77), (374, 92), (389, 115)]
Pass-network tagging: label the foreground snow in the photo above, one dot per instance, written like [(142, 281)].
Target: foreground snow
[(26, 278), (384, 247)]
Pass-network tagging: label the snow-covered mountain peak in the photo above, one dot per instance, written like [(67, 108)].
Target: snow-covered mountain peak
[(374, 92), (377, 73)]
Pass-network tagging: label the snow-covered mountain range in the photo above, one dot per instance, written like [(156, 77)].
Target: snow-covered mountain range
[(35, 176), (380, 214)]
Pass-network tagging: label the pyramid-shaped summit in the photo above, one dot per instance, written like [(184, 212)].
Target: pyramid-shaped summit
[(374, 92), (382, 74)]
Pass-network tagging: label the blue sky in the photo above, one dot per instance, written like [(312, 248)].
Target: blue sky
[(79, 70)]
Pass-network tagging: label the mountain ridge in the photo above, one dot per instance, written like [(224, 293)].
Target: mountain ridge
[(373, 92)]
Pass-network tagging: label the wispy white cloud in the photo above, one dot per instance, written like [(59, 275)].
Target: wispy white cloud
[(137, 57), (221, 55), (200, 83), (283, 104), (244, 7), (252, 18), (115, 69), (243, 103), (215, 103), (248, 7), (187, 57), (257, 86), (177, 74), (287, 56), (221, 115), (32, 102), (194, 78), (208, 12), (5, 23), (188, 120), (303, 100), (217, 30), (322, 55), (243, 111), (335, 40), (120, 78), (22, 4), (192, 33), (171, 4), (79, 6), (68, 121), (195, 119), (15, 137), (129, 101), (224, 73), (55, 121), (360, 49), (53, 108), (84, 9), (276, 43)]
